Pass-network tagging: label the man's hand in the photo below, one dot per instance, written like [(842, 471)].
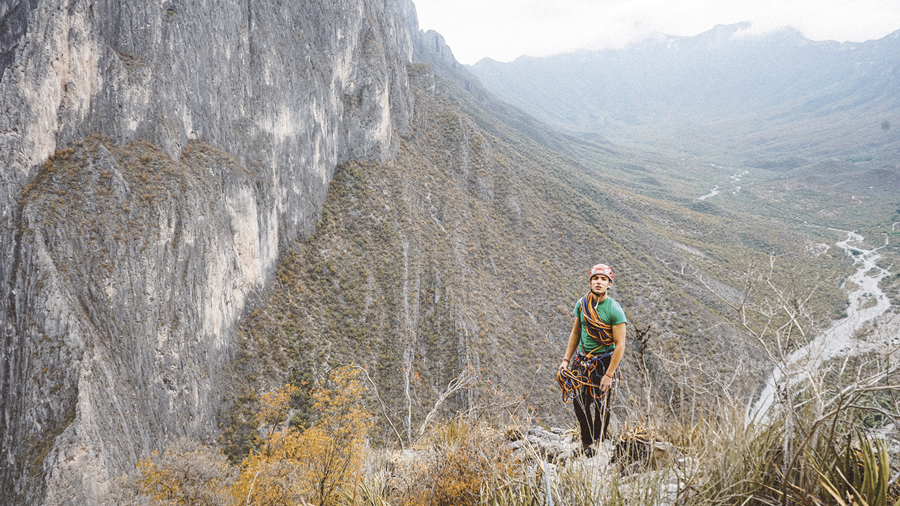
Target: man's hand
[(563, 365), (605, 383)]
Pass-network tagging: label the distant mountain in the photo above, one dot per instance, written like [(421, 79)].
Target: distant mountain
[(724, 91)]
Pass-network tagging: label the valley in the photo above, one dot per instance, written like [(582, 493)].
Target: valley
[(812, 151), (210, 214), (465, 253), (842, 340)]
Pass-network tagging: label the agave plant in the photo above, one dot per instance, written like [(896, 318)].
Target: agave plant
[(859, 474)]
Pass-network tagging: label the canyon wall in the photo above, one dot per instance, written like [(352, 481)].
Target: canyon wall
[(153, 158)]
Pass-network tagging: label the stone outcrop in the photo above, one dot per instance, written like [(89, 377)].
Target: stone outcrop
[(153, 157)]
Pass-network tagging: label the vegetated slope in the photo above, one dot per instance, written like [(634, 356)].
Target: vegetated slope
[(723, 91), (466, 254)]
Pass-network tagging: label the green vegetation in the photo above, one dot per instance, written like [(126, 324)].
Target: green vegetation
[(891, 287)]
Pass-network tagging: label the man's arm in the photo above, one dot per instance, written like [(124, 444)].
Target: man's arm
[(574, 337), (618, 335)]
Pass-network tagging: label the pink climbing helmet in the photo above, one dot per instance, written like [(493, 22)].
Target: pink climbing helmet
[(601, 269)]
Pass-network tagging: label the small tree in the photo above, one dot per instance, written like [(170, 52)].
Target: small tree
[(185, 473), (274, 407), (294, 466)]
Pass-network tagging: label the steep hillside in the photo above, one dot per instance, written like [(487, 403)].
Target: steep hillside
[(465, 255)]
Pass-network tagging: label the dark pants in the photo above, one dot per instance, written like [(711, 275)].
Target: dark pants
[(593, 412)]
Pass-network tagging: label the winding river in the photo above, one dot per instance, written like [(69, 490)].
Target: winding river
[(867, 302)]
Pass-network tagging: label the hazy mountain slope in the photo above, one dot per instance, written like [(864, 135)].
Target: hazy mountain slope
[(720, 91), (469, 250)]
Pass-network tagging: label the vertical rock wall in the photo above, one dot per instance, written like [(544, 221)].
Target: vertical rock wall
[(125, 263)]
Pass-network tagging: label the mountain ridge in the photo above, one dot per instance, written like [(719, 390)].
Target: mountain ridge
[(710, 83)]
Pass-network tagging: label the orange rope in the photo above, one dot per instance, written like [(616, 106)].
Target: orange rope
[(596, 328), (572, 381)]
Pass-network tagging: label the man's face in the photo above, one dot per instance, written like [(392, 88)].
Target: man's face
[(599, 284)]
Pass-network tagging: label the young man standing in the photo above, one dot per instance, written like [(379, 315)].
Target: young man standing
[(599, 335)]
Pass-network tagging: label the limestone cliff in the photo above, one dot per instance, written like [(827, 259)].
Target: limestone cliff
[(153, 157)]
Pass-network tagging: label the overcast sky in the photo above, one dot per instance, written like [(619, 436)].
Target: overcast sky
[(506, 29)]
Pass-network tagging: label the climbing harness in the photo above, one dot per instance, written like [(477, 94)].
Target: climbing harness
[(571, 381)]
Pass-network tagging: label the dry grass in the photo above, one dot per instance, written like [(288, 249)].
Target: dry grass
[(462, 462), (721, 461)]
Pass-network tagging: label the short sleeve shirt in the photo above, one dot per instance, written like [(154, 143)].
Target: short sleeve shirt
[(611, 313)]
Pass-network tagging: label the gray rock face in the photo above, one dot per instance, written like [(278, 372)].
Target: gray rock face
[(125, 263)]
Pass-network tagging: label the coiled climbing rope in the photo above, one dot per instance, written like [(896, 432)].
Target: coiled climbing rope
[(571, 381)]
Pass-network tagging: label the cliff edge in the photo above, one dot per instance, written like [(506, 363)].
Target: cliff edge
[(153, 157)]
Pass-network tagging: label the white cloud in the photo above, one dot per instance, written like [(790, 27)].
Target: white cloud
[(506, 29)]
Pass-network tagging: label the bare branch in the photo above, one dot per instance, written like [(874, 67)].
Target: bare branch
[(465, 379), (384, 407)]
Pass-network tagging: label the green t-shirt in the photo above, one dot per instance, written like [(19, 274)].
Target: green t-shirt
[(611, 313)]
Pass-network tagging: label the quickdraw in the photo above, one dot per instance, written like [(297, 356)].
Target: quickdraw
[(571, 381)]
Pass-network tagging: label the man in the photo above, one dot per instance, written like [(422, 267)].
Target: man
[(599, 335)]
